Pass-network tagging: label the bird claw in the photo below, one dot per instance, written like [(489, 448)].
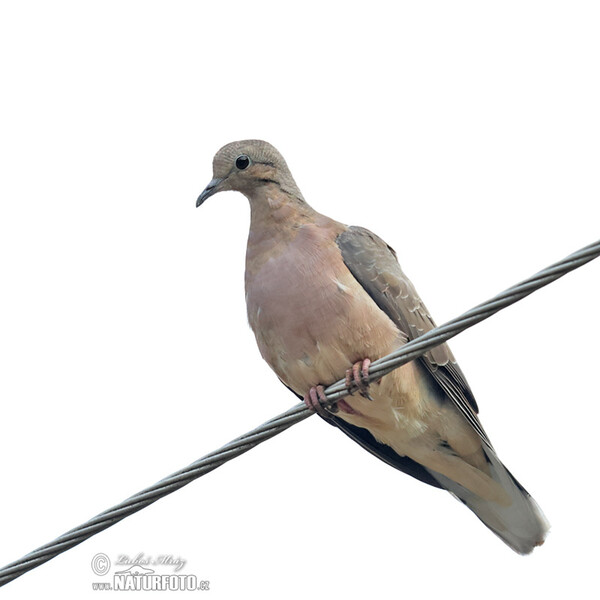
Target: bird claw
[(316, 401), (357, 378)]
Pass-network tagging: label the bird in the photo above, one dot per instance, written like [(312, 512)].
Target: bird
[(324, 299)]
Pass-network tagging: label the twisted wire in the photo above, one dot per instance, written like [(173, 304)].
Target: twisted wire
[(242, 444)]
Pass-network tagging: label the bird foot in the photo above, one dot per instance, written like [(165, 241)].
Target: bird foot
[(316, 401), (357, 378)]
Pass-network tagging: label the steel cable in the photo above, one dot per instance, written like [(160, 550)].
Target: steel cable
[(238, 446)]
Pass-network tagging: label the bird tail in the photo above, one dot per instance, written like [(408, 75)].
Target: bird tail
[(520, 524)]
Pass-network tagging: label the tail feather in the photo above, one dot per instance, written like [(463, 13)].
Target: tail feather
[(515, 517), (521, 525)]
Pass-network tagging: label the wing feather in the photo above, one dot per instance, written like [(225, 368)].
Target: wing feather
[(375, 266)]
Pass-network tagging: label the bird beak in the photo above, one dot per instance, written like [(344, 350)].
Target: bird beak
[(212, 188)]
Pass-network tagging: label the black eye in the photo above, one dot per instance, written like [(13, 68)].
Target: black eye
[(242, 162)]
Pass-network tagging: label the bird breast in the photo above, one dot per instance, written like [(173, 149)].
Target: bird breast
[(311, 318)]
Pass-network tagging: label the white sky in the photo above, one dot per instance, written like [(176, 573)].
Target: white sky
[(464, 133)]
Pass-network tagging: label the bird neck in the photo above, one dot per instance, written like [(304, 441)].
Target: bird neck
[(276, 217), (272, 208)]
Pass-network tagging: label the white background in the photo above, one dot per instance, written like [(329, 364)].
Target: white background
[(466, 134)]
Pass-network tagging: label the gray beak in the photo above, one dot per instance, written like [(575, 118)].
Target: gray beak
[(209, 190)]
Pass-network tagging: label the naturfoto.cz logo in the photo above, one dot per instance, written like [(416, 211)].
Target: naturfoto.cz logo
[(141, 574)]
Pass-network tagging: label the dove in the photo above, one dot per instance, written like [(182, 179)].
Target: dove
[(324, 299)]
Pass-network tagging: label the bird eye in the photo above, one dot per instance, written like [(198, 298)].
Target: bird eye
[(242, 162)]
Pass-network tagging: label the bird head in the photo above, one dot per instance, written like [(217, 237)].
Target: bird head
[(247, 165)]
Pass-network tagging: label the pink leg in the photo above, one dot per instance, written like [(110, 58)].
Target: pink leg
[(357, 378), (314, 400)]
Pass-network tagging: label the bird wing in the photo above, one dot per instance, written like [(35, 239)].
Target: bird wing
[(375, 266)]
